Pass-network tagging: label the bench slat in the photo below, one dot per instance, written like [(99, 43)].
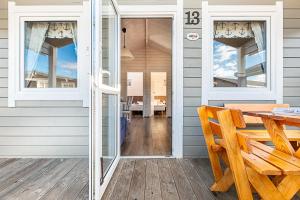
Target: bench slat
[(286, 167), (259, 165), (290, 159), (262, 135)]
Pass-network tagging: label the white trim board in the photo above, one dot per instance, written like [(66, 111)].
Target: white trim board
[(175, 12), (273, 15)]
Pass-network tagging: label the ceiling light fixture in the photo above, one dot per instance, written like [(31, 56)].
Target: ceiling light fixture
[(125, 52)]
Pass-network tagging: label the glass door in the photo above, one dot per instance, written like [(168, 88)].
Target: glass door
[(106, 93)]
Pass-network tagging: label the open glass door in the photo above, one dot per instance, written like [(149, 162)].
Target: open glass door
[(106, 93)]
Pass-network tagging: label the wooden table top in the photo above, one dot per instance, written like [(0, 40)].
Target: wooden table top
[(289, 119)]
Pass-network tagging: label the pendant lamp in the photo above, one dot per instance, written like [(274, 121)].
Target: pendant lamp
[(125, 52)]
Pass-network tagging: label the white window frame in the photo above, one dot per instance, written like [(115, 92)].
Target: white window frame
[(273, 15), (16, 18)]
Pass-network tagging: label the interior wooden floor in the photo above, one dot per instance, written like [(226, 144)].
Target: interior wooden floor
[(148, 137), (31, 179)]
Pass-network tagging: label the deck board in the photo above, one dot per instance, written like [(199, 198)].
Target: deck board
[(164, 179), (41, 178)]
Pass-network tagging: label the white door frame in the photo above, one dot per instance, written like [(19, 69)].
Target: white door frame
[(175, 12), (96, 187)]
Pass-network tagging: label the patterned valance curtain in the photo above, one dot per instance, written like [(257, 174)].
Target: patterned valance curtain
[(241, 30), (233, 30)]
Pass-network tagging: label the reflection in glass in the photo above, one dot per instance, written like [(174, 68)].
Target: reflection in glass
[(50, 55), (109, 130), (239, 50), (109, 42)]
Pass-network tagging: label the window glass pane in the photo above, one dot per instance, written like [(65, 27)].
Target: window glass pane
[(109, 42), (50, 55), (239, 54), (109, 131)]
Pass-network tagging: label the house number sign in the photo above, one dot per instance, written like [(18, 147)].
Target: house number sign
[(193, 18)]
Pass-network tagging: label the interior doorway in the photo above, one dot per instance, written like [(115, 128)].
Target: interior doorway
[(146, 87)]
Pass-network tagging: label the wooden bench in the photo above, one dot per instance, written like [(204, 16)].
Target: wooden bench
[(283, 158), (261, 135), (247, 161)]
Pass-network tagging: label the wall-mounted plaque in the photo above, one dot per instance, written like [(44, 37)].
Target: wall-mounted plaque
[(193, 36)]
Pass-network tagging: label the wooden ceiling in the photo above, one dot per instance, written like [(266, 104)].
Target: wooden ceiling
[(148, 32)]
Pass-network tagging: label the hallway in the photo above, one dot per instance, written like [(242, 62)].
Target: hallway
[(148, 137)]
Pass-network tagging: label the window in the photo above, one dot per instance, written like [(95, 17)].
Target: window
[(242, 52), (49, 51), (50, 54), (109, 41), (239, 54)]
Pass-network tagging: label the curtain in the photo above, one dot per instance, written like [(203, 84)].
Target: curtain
[(33, 44), (258, 32), (233, 30), (74, 35)]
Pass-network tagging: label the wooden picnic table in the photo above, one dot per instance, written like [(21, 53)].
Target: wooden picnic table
[(274, 123), (284, 159)]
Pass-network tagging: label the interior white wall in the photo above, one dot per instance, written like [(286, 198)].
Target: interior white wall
[(136, 86), (158, 86)]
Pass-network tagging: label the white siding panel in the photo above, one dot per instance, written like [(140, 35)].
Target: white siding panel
[(3, 14), (191, 121), (192, 130), (195, 151), (44, 151), (146, 2), (3, 53), (294, 43), (47, 131), (192, 92), (3, 33), (192, 101), (293, 101), (192, 72), (192, 82), (3, 82), (291, 33), (51, 104), (193, 140), (291, 23), (4, 63), (3, 43), (291, 4), (44, 112), (3, 92), (192, 62), (291, 13), (291, 62), (3, 4), (3, 24), (291, 72), (291, 52), (44, 141), (44, 121)]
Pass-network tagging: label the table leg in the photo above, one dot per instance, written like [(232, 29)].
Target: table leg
[(279, 139)]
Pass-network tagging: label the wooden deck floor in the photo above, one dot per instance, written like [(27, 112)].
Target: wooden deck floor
[(168, 179), (31, 179)]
